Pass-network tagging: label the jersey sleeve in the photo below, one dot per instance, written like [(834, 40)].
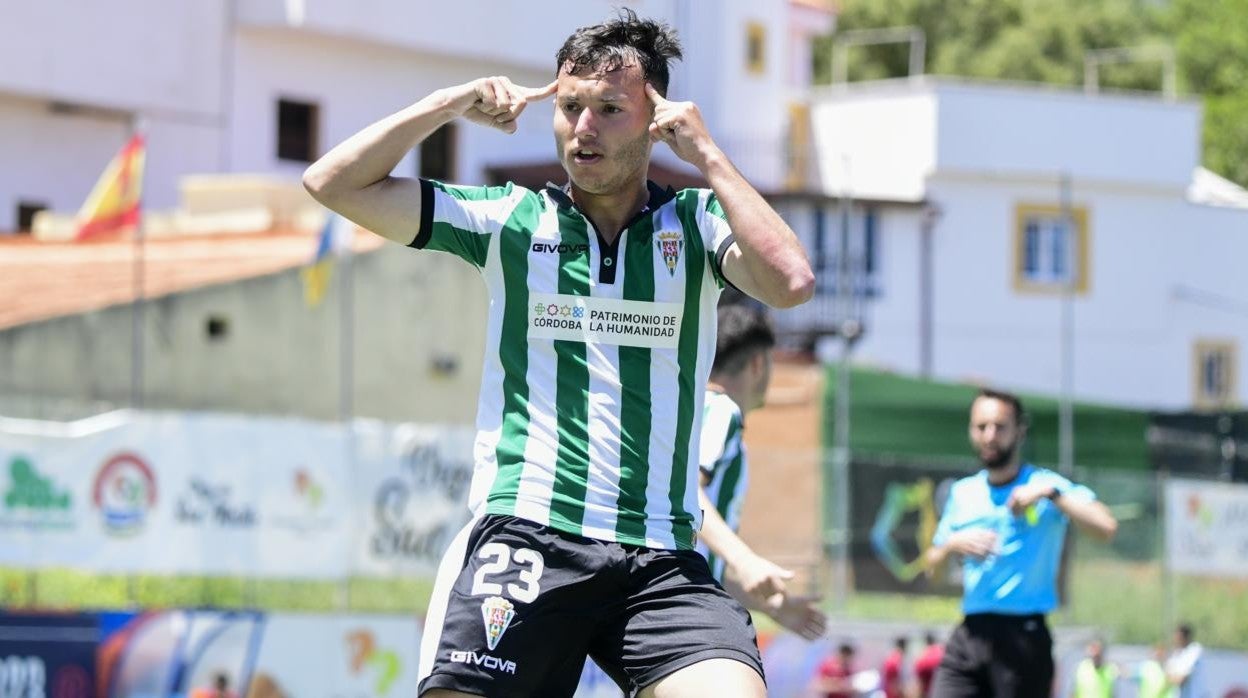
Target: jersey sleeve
[(716, 235), (460, 220), (721, 438)]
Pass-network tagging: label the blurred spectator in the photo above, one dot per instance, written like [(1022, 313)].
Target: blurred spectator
[(893, 672), (926, 664), (1094, 677), (220, 688), (1152, 675), (1185, 668), (835, 679)]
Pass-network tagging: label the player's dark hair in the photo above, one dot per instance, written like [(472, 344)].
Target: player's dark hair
[(929, 638), (1021, 417), (900, 642), (620, 42), (743, 331), (845, 648)]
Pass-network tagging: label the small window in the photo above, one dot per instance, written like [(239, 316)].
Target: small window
[(217, 328), (1215, 373), (297, 126), (755, 48), (437, 155), (1049, 251), (26, 211)]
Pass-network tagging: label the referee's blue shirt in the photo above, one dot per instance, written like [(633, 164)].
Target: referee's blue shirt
[(1020, 576)]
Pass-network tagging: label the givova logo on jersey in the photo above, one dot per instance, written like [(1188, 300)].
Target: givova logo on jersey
[(670, 243)]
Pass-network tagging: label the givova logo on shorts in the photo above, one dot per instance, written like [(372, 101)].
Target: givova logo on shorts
[(488, 661), (497, 613)]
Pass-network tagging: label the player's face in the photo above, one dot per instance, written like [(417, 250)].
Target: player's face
[(602, 122), (994, 432)]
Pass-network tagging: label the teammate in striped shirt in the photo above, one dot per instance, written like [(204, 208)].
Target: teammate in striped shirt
[(738, 384), (600, 336)]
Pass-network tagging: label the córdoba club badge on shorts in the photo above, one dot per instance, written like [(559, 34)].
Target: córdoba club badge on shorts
[(497, 613)]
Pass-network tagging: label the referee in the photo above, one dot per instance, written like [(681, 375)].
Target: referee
[(1008, 522)]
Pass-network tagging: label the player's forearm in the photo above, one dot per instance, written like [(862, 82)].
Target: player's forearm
[(770, 251), (1093, 517), (719, 536), (369, 156)]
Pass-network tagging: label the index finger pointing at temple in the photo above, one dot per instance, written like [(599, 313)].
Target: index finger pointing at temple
[(654, 95), (537, 93)]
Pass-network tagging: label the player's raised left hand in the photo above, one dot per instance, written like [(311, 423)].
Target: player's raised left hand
[(680, 126)]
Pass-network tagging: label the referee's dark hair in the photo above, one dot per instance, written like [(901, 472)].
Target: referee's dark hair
[(1021, 418), (743, 331)]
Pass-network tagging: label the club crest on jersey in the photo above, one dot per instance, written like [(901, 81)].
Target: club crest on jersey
[(670, 244), (497, 613)]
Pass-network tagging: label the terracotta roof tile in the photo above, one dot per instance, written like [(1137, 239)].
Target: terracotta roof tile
[(42, 280)]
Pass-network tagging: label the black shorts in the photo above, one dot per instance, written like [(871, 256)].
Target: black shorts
[(993, 654), (518, 606)]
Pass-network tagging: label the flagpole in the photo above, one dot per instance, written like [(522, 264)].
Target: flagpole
[(136, 307), (346, 358), (136, 325)]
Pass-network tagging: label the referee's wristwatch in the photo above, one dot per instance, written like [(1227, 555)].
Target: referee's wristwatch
[(1054, 494)]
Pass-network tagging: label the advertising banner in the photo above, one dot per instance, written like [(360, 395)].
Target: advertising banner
[(894, 509), (411, 495), (1207, 528), (212, 494), (50, 655)]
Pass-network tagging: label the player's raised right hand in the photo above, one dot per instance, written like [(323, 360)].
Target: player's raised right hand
[(498, 101)]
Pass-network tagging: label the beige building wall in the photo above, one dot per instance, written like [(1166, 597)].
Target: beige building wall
[(419, 329)]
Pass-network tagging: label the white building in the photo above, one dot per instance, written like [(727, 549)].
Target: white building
[(265, 86), (960, 221)]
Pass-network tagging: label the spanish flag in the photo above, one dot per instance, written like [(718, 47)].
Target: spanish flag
[(114, 203), (335, 240)]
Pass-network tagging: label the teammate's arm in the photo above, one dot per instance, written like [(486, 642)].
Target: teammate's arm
[(766, 261), (354, 177), (758, 577), (755, 581)]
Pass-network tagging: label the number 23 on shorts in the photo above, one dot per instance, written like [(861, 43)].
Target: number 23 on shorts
[(499, 557)]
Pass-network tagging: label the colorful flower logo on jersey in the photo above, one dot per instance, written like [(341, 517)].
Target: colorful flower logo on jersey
[(497, 613), (124, 492), (670, 244)]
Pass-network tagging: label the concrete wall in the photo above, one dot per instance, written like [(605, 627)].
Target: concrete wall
[(279, 356)]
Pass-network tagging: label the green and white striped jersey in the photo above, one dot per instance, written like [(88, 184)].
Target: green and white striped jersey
[(596, 356), (722, 458)]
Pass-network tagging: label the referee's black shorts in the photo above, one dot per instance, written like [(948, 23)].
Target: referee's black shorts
[(518, 606), (992, 654)]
